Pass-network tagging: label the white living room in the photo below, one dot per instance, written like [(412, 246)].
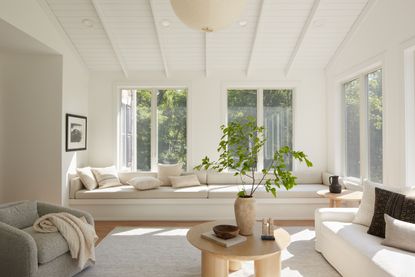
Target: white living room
[(213, 138)]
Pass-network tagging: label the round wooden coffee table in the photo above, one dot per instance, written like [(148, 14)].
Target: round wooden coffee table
[(218, 260), (337, 198)]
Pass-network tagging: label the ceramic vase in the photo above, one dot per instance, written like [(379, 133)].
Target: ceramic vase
[(245, 215), (335, 186)]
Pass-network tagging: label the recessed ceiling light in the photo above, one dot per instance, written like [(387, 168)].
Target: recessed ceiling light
[(87, 23), (243, 23), (165, 23)]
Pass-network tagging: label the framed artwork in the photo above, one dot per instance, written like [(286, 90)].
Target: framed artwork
[(76, 131)]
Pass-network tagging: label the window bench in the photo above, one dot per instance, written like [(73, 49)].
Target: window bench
[(212, 200)]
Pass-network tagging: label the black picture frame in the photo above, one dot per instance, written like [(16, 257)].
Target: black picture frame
[(76, 132)]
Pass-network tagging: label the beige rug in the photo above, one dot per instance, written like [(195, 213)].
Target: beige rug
[(165, 252)]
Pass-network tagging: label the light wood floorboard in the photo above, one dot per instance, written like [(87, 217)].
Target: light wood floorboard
[(103, 228)]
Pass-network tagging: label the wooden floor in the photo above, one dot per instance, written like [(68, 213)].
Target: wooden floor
[(103, 228)]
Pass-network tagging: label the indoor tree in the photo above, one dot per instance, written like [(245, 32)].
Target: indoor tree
[(239, 146)]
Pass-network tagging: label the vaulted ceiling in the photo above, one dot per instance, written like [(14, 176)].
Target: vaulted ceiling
[(132, 35)]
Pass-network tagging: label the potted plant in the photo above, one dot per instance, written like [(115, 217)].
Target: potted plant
[(238, 149)]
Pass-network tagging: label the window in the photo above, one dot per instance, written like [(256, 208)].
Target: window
[(153, 127), (273, 109), (375, 124), (352, 127), (363, 121)]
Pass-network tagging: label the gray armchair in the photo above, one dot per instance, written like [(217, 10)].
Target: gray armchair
[(26, 253)]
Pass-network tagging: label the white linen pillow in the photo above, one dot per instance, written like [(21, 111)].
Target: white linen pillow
[(144, 183), (167, 170), (87, 178), (106, 177), (184, 181), (367, 204), (399, 234)]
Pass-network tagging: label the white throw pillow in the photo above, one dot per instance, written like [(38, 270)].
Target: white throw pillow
[(144, 183), (184, 181), (106, 177), (399, 234), (167, 170), (87, 178), (367, 205)]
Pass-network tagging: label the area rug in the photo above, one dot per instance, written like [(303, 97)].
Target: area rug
[(165, 252)]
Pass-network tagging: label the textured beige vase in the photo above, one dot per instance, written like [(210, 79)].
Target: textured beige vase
[(245, 215)]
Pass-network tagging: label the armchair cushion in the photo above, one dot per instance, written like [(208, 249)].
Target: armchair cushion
[(19, 214), (49, 245)]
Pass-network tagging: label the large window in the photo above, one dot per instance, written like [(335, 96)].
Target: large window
[(352, 127), (375, 124), (363, 121), (273, 109), (152, 127)]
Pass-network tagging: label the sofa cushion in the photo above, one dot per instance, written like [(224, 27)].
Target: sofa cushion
[(127, 176), (184, 181), (19, 214), (49, 245), (392, 261), (167, 170), (87, 178), (299, 191), (106, 176), (394, 204), (129, 192), (144, 183), (367, 204)]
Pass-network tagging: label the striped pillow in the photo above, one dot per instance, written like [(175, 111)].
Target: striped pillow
[(106, 177)]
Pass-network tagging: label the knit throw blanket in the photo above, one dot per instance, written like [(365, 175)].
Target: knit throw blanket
[(79, 235)]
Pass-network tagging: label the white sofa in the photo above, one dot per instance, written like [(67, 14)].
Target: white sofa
[(353, 252), (213, 199)]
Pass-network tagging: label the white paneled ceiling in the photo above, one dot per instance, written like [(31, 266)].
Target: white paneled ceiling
[(136, 35)]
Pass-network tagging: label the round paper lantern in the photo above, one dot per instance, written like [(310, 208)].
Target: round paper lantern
[(208, 15)]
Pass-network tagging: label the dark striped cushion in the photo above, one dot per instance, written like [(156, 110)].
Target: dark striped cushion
[(394, 204)]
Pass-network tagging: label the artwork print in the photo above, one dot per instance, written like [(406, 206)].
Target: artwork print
[(76, 132)]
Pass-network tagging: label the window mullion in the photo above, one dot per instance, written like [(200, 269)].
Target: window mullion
[(154, 147), (260, 122), (134, 129)]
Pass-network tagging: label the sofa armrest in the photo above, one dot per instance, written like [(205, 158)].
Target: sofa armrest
[(45, 208), (331, 214), (335, 214), (18, 252)]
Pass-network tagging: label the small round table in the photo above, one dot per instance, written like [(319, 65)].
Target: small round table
[(218, 260), (337, 198)]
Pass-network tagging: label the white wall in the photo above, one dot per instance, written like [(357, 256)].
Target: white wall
[(29, 17), (381, 37), (31, 130), (206, 111)]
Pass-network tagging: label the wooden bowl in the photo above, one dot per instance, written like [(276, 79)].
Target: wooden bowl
[(226, 231)]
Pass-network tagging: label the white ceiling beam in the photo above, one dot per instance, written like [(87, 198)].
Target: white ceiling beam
[(206, 55), (255, 40), (47, 9), (356, 24), (110, 36), (159, 38), (303, 34)]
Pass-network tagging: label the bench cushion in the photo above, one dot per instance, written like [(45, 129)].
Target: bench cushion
[(49, 245), (129, 192), (299, 191)]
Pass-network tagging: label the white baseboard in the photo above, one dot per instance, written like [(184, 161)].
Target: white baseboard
[(195, 209)]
